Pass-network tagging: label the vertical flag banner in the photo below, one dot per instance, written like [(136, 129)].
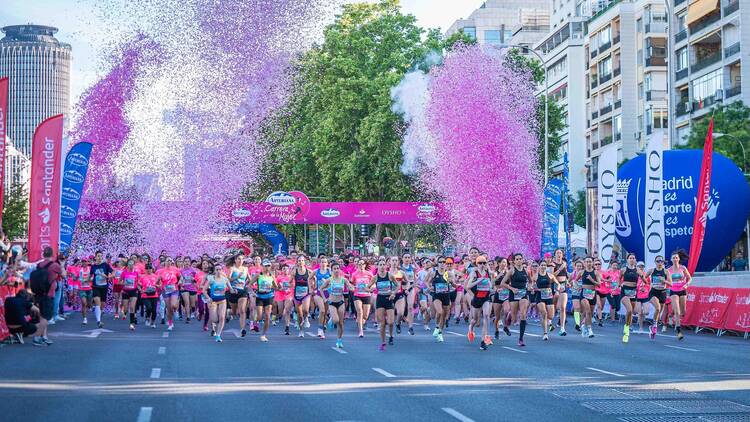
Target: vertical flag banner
[(3, 131), (552, 194), (654, 240), (702, 201), (607, 203), (73, 179), (44, 198), (566, 170)]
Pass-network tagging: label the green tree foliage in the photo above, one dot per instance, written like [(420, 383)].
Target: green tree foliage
[(732, 120), (338, 137), (15, 212)]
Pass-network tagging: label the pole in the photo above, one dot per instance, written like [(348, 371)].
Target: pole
[(317, 240), (351, 236), (333, 239), (304, 233), (670, 84), (546, 124)]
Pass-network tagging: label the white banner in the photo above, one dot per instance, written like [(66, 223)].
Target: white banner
[(654, 225), (607, 203)]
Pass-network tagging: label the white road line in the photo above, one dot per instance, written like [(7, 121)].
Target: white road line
[(155, 372), (615, 374), (457, 415), (515, 350), (162, 350), (455, 333), (165, 334), (384, 373), (682, 348), (525, 333), (336, 349), (144, 415), (309, 333)]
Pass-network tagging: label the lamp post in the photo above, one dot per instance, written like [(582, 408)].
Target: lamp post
[(546, 105), (718, 135)]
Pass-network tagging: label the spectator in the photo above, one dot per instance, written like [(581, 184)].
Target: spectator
[(739, 263), (21, 315), (46, 303)]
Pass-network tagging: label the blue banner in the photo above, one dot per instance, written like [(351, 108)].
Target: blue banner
[(566, 170), (74, 177), (552, 194)]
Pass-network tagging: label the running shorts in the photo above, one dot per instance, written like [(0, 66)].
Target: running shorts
[(659, 294), (383, 302)]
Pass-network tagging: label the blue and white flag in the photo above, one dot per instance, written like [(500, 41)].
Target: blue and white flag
[(73, 180), (566, 210), (552, 196)]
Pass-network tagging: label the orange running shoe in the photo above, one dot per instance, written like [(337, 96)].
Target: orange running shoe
[(471, 336), (488, 340)]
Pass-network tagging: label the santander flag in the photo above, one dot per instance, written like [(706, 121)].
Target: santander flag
[(702, 200), (44, 201), (3, 125)]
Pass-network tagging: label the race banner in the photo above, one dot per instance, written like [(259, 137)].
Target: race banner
[(44, 195), (568, 252), (707, 307), (607, 203), (3, 131), (738, 313), (73, 180), (702, 201), (653, 238), (551, 219)]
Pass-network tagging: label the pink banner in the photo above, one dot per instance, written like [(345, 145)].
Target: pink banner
[(44, 201)]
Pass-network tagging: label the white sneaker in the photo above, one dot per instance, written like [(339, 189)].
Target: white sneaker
[(320, 333), (60, 318), (264, 339), (301, 334), (85, 321), (426, 327), (51, 322), (170, 327), (307, 323)]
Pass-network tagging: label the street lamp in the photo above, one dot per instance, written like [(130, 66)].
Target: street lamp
[(546, 105), (718, 135)]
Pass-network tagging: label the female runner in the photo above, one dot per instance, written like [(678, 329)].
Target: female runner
[(603, 290), (438, 282), (320, 298), (516, 280), (660, 281), (304, 283), (283, 296), (188, 289), (680, 277), (129, 277), (544, 285), (117, 269), (215, 286), (362, 280), (336, 306), (384, 302), (589, 278), (410, 271), (401, 287), (644, 287), (561, 302), (238, 276), (85, 291), (500, 304), (265, 283), (629, 278), (168, 278), (479, 284), (149, 293)]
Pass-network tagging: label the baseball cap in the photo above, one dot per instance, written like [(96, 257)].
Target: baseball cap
[(547, 255), (640, 264), (266, 262)]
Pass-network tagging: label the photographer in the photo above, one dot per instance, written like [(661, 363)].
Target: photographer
[(21, 314)]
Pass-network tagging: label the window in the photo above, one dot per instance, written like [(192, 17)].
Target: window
[(617, 125), (492, 37), (682, 58), (605, 35), (507, 35), (647, 82), (707, 85), (558, 69), (470, 31), (605, 67)]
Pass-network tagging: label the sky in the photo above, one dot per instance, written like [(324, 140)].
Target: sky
[(80, 27)]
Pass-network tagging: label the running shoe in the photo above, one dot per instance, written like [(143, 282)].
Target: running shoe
[(426, 327), (187, 320), (458, 319), (625, 337), (286, 330), (521, 343), (213, 333), (205, 328), (47, 341), (85, 321), (382, 347), (583, 331), (153, 325), (398, 328), (680, 336), (38, 342), (578, 328), (330, 324), (307, 323), (551, 327), (652, 331), (361, 334), (320, 333), (545, 337), (482, 346), (218, 338), (323, 336), (506, 330), (132, 327), (435, 332), (339, 344), (264, 339), (562, 332), (256, 327), (117, 316), (488, 340), (243, 333), (471, 336), (591, 332), (600, 323), (664, 328), (170, 327), (390, 341), (497, 334), (301, 334), (100, 324), (411, 330), (439, 337)]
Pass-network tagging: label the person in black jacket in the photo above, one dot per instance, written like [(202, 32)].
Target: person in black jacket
[(21, 315)]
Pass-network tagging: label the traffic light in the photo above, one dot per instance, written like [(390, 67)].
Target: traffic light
[(363, 232)]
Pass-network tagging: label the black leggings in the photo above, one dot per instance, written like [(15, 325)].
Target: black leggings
[(150, 305)]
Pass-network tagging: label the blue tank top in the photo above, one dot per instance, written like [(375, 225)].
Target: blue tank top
[(217, 288), (322, 277)]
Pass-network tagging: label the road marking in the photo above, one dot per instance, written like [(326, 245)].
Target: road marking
[(336, 349), (455, 333), (515, 350), (309, 333), (145, 414), (384, 373), (165, 334), (682, 348), (237, 333), (615, 374), (526, 333), (162, 350), (457, 415), (155, 372)]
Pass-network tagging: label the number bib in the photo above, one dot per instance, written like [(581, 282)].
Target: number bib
[(629, 292), (546, 293), (441, 287), (588, 294), (503, 294), (300, 291), (337, 289), (384, 287), (520, 295), (362, 288), (169, 288), (100, 280), (129, 282)]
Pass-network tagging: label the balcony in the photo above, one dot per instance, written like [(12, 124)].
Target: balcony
[(705, 103), (605, 46), (618, 136), (680, 74), (616, 40), (680, 35), (605, 110), (594, 53), (606, 140), (605, 78), (732, 50), (594, 115), (682, 109), (656, 95), (705, 23), (594, 82), (731, 92), (658, 27), (649, 129), (731, 8), (656, 61), (616, 72), (707, 61), (618, 104)]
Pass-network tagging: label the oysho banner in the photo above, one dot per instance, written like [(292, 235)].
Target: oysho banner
[(44, 198), (607, 203), (73, 180), (654, 241), (551, 219)]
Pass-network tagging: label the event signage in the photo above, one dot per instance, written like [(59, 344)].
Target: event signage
[(702, 200), (729, 205), (551, 219), (654, 213), (566, 216), (74, 178), (606, 203), (3, 131), (44, 193)]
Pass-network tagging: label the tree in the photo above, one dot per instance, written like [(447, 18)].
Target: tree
[(15, 212), (732, 120)]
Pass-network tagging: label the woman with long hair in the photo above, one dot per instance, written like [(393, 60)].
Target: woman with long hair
[(681, 279), (516, 280), (304, 284)]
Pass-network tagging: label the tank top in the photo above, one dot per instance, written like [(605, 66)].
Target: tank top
[(678, 279), (659, 279), (322, 277), (585, 279), (630, 276), (499, 279), (301, 284), (265, 284), (439, 283), (564, 272), (482, 288), (519, 279), (401, 281), (240, 281), (217, 287), (384, 285), (542, 282), (337, 287)]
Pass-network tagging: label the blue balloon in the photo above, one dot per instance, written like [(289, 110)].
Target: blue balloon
[(728, 212)]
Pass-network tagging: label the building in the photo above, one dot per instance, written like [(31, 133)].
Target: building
[(38, 66), (495, 22), (710, 39), (15, 160)]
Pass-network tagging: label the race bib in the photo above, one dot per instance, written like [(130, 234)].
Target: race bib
[(100, 280), (520, 295), (629, 292), (588, 294), (384, 287), (300, 291), (188, 281), (129, 282), (546, 293), (285, 284), (484, 285), (503, 294), (657, 282), (362, 288), (264, 285), (150, 290), (169, 288), (218, 290), (337, 289), (441, 287)]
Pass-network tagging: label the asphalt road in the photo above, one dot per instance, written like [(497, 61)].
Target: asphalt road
[(184, 375)]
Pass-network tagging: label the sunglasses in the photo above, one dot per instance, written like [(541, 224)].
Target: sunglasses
[(481, 262), (441, 262), (659, 261)]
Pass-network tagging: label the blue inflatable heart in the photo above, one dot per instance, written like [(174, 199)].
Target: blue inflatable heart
[(728, 213)]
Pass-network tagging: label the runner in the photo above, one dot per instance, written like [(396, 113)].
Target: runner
[(148, 285), (101, 272), (423, 293), (188, 288), (644, 288), (575, 292), (660, 281), (215, 286), (337, 283), (561, 295), (402, 287), (119, 306), (629, 277), (603, 290), (283, 296), (480, 285), (130, 291), (544, 282), (410, 271), (386, 291), (238, 275), (589, 278), (681, 279), (265, 284), (500, 303), (304, 283), (516, 280), (320, 298), (168, 278), (205, 268), (362, 280), (85, 290)]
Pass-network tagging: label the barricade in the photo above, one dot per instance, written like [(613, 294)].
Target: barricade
[(718, 308)]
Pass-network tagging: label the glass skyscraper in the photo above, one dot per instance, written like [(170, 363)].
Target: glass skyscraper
[(38, 66)]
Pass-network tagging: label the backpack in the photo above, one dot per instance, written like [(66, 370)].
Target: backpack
[(40, 283)]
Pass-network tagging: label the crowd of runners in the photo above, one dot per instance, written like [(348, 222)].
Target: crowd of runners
[(390, 294)]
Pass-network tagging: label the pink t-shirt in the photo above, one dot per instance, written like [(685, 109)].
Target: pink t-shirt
[(148, 283), (361, 279), (129, 279), (84, 278), (169, 277)]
